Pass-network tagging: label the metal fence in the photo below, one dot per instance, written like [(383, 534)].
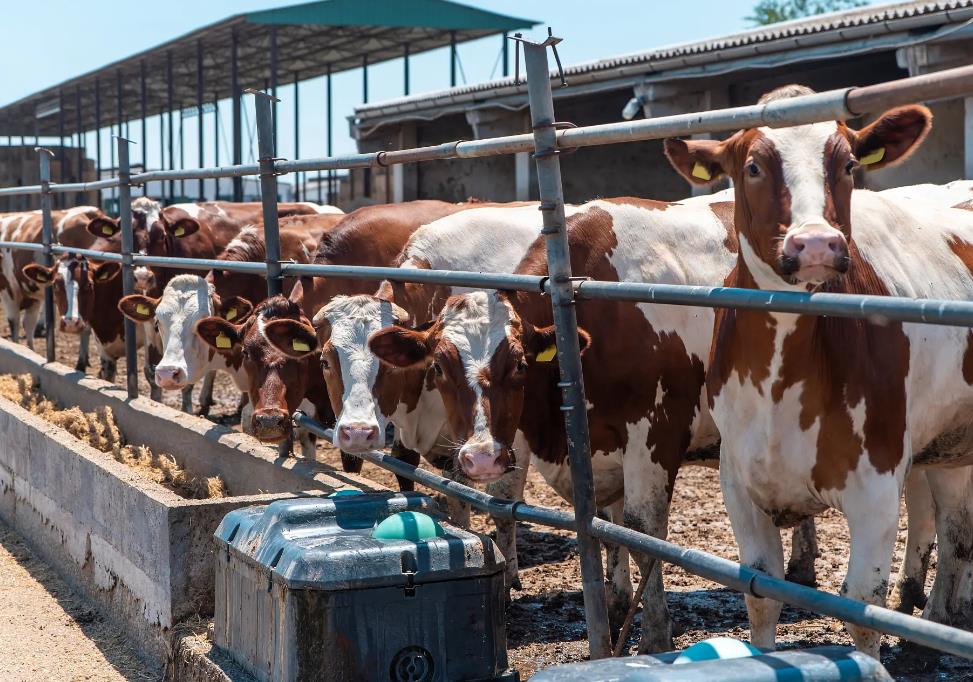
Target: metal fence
[(546, 141)]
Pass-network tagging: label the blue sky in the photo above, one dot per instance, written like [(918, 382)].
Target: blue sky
[(48, 41)]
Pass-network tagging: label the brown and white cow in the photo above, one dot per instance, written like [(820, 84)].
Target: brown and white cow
[(819, 412), (22, 295)]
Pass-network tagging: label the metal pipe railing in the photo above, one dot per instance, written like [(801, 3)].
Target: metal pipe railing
[(722, 571), (92, 186), (88, 253)]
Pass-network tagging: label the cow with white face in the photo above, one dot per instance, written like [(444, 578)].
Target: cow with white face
[(186, 359), (819, 412)]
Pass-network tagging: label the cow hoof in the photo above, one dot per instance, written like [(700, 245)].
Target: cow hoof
[(907, 597), (515, 583)]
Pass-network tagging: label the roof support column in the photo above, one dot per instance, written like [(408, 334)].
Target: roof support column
[(216, 144), (330, 139), (297, 134), (81, 151), (452, 59), (98, 134), (162, 152), (405, 69), (120, 113), (199, 113), (366, 172), (182, 154), (237, 132), (144, 113), (506, 54), (62, 157), (170, 104)]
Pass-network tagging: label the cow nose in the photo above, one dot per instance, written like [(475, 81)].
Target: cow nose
[(169, 377), (815, 245), (357, 437), (481, 462), (72, 325), (270, 425)]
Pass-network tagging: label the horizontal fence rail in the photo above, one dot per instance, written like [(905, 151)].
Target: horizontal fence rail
[(546, 139), (706, 565)]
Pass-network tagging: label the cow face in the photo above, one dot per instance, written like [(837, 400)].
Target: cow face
[(185, 301), (481, 354), (364, 392), (277, 382), (793, 187), (74, 280)]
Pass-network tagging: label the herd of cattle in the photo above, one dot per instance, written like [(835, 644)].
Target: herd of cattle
[(802, 413)]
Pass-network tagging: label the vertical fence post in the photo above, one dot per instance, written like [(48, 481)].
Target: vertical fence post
[(268, 188), (568, 349), (128, 270), (47, 237)]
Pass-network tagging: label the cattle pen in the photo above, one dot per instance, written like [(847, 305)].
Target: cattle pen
[(548, 139)]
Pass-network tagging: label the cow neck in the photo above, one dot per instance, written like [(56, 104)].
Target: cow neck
[(107, 322)]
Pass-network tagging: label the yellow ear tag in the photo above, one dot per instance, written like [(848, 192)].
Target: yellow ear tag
[(873, 157), (179, 231), (702, 172), (141, 309), (300, 346), (223, 341), (547, 354), (231, 313), (107, 230)]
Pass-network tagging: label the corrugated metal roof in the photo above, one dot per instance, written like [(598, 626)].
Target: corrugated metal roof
[(857, 23)]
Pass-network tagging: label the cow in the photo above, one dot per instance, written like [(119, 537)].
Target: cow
[(279, 384), (819, 412), (19, 293)]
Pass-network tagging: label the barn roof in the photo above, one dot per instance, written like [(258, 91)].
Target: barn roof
[(311, 38), (849, 32)]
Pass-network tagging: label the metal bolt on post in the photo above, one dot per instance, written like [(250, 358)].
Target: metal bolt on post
[(128, 268), (568, 347), (47, 237)]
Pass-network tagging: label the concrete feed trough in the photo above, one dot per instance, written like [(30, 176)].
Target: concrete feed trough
[(138, 550)]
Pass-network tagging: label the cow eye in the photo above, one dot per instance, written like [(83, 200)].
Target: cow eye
[(437, 368), (521, 366), (850, 166), (325, 365), (753, 170)]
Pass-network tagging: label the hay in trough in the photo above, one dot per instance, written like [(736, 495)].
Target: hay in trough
[(100, 430)]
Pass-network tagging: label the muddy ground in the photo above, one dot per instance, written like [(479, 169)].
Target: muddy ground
[(546, 619)]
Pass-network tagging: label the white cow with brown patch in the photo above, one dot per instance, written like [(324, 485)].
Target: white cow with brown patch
[(819, 412)]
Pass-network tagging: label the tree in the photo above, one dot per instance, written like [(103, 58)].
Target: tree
[(773, 11)]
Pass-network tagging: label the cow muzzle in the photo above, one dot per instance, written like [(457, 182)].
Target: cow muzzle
[(814, 253), (270, 426), (170, 378), (72, 325), (144, 280), (484, 462), (358, 437)]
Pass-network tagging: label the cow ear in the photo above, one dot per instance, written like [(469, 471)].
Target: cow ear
[(138, 308), (699, 161), (183, 228), (893, 137), (542, 344), (400, 347), (38, 274), (219, 334), (292, 338), (104, 227), (105, 272), (236, 309)]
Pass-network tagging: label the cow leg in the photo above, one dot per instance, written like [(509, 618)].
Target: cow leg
[(404, 454), (909, 592), (618, 574), (109, 367), (760, 547), (951, 597), (804, 550), (872, 510), (84, 359), (152, 358), (12, 311), (309, 444), (187, 400), (206, 394), (241, 406), (646, 505), (31, 316), (510, 487)]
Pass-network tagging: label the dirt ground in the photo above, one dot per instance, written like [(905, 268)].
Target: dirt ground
[(546, 619), (47, 632)]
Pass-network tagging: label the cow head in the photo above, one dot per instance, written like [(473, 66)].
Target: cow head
[(185, 300), (74, 280), (276, 382), (481, 354), (793, 187), (364, 392)]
